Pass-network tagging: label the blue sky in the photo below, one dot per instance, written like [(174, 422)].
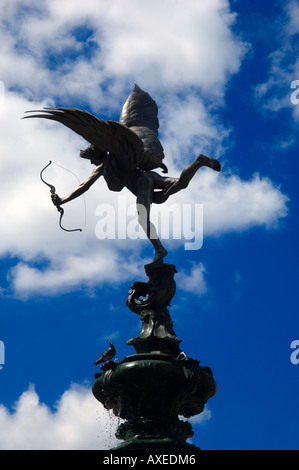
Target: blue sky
[(221, 74)]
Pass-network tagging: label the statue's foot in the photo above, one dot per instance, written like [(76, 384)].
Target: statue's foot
[(209, 162), (160, 254)]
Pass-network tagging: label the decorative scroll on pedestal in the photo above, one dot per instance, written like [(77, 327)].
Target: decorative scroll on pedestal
[(157, 332)]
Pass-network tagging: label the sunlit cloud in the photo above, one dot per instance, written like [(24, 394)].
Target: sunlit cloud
[(275, 93), (54, 54), (78, 422)]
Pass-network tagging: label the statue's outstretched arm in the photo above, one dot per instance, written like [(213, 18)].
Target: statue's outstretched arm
[(82, 188)]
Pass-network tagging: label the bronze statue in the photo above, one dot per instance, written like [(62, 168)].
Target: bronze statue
[(150, 389), (125, 153)]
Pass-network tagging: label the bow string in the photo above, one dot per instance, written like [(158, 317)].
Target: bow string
[(58, 207)]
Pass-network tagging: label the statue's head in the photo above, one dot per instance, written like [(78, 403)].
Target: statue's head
[(93, 154)]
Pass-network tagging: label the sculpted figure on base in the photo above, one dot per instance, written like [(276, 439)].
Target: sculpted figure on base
[(125, 153)]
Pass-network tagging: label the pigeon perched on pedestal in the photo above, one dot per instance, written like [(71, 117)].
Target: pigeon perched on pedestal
[(107, 355)]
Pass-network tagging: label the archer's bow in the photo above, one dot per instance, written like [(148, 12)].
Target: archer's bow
[(59, 208)]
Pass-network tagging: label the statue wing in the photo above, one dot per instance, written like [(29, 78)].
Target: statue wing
[(140, 115), (108, 136)]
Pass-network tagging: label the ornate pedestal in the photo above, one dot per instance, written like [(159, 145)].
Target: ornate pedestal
[(151, 388)]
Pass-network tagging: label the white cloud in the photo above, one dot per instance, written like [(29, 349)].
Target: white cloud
[(88, 270), (156, 52), (53, 261), (275, 92), (79, 422), (202, 418), (161, 44), (293, 11), (172, 43), (232, 204), (194, 281), (189, 127)]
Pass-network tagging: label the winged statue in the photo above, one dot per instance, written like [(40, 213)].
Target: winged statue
[(125, 153)]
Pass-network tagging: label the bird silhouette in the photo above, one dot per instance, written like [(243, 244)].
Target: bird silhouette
[(107, 355)]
